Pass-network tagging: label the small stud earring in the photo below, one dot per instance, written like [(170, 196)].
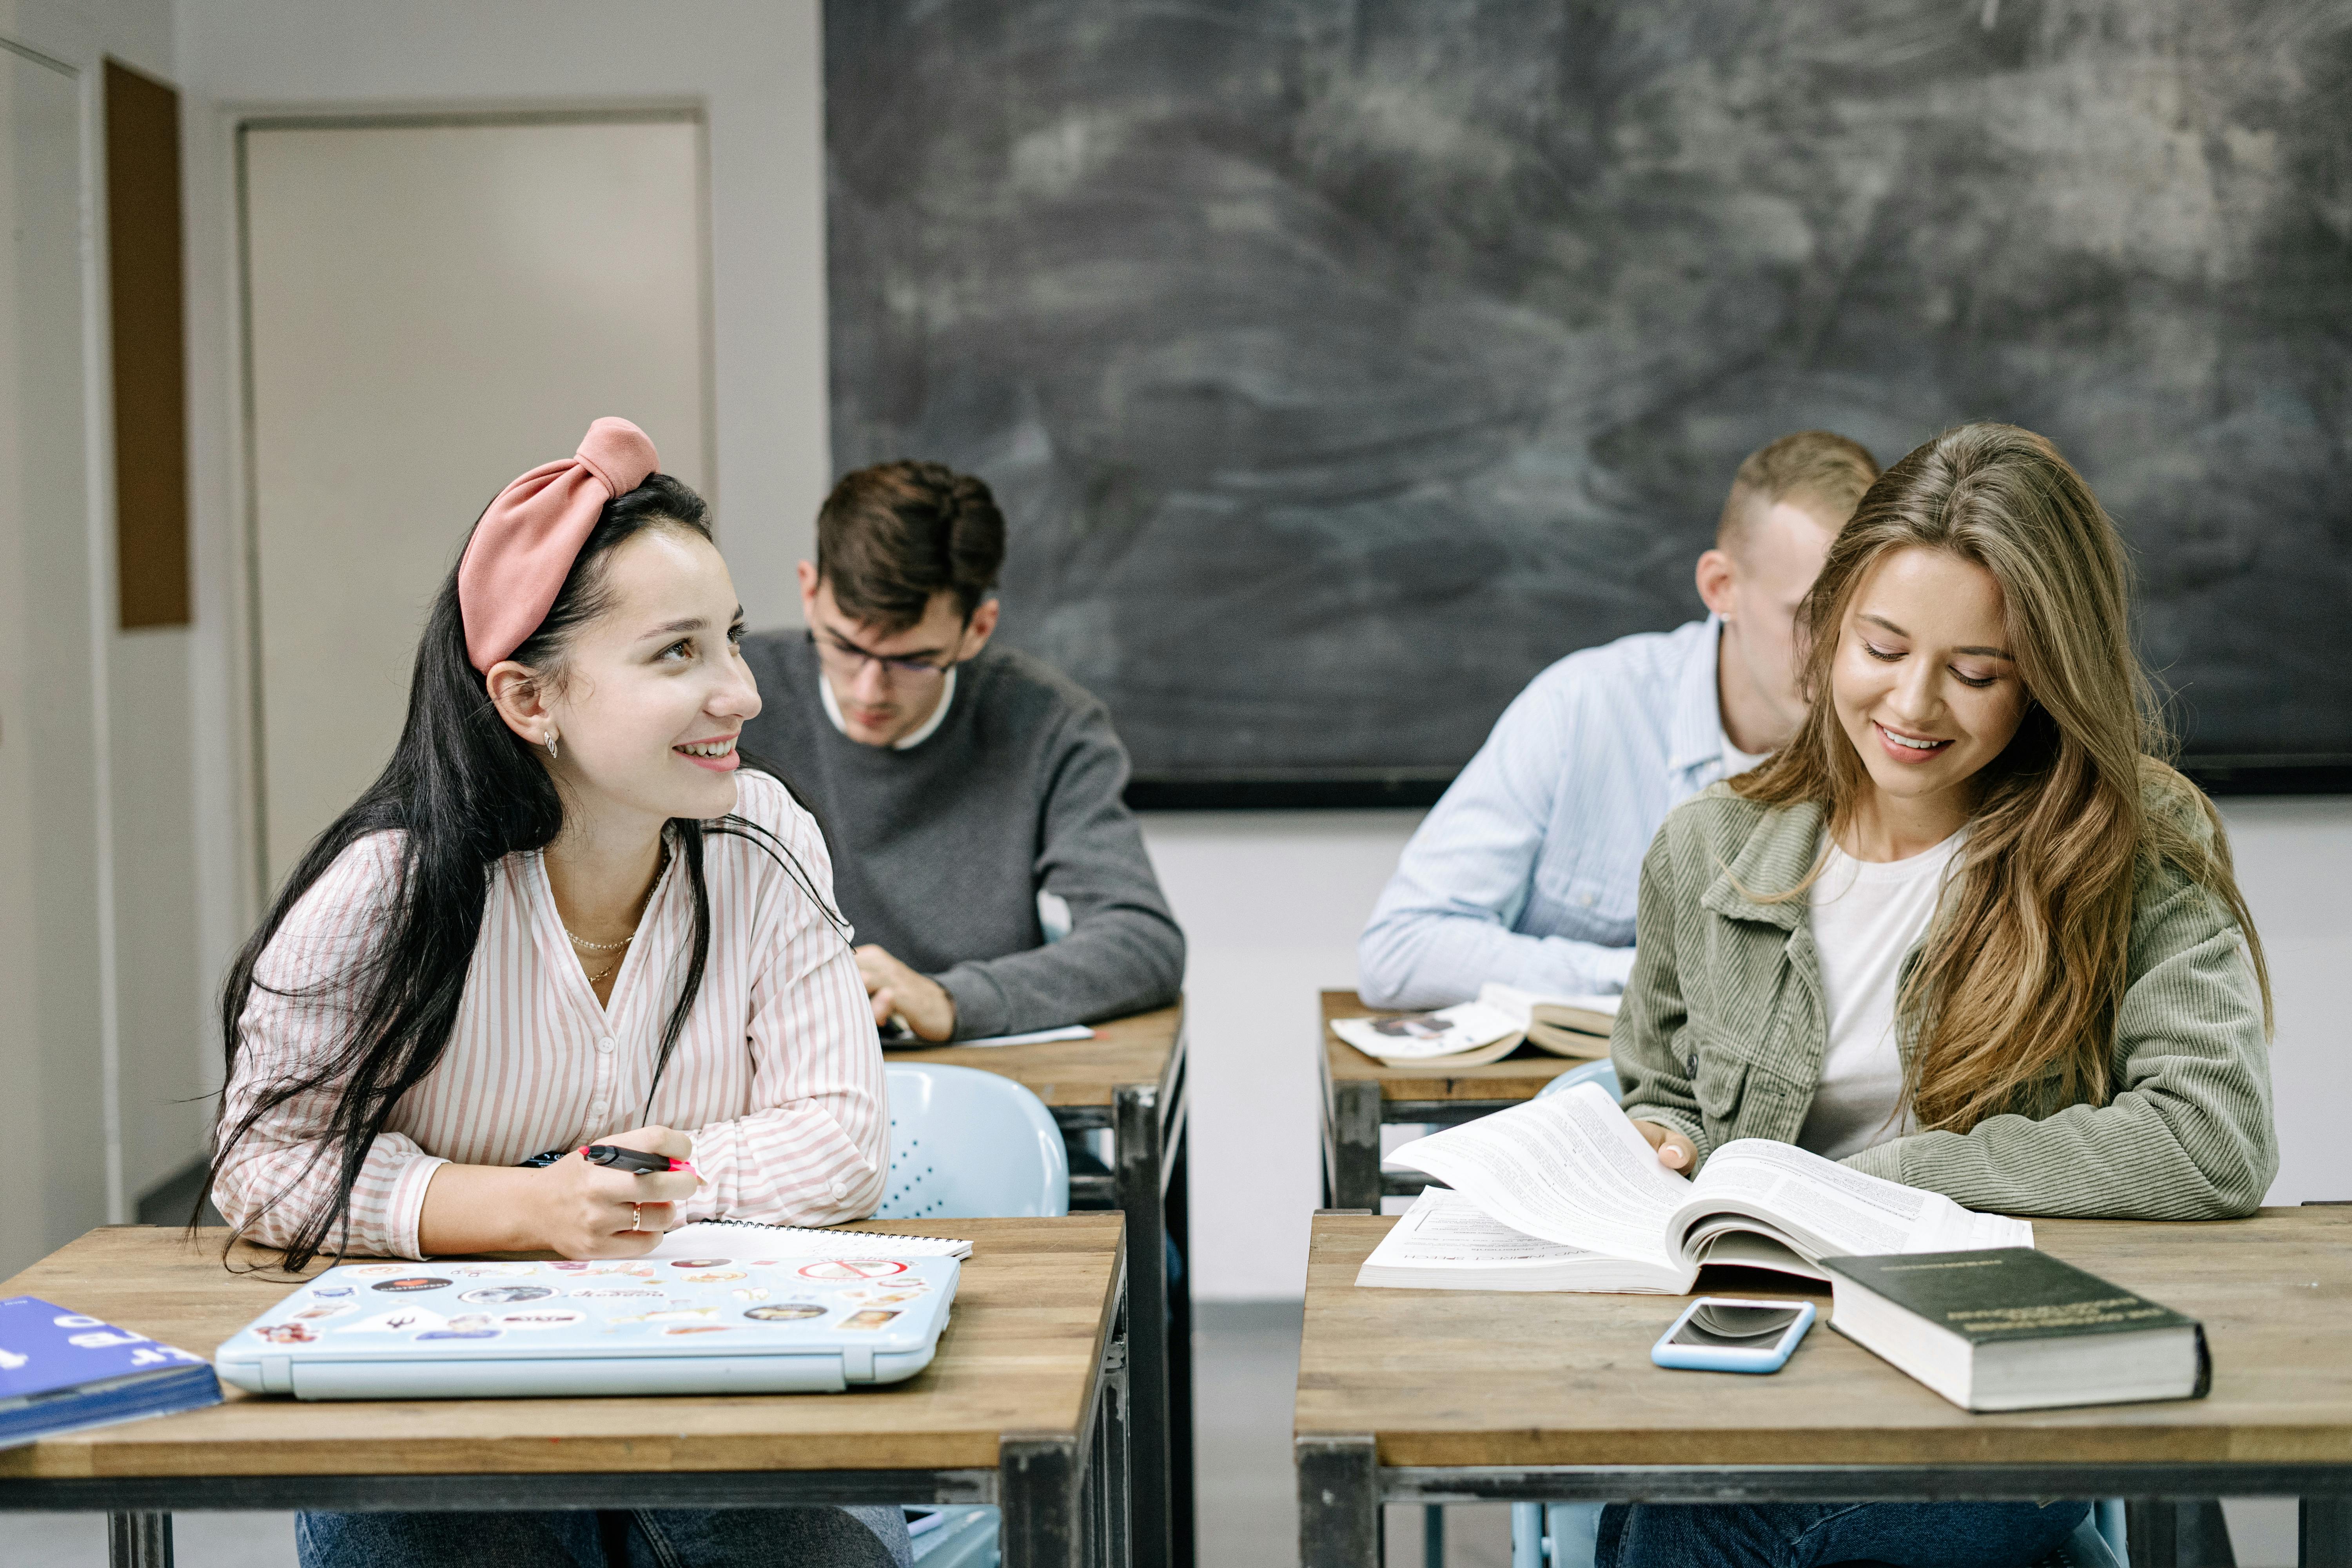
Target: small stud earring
[(551, 753)]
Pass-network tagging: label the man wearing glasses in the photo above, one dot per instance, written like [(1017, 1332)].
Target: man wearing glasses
[(970, 794)]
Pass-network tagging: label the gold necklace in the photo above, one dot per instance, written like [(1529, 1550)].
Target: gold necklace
[(585, 945)]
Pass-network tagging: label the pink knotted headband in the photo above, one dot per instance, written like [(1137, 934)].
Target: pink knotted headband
[(524, 545)]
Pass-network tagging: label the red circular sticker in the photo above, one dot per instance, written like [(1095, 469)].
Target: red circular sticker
[(852, 1268)]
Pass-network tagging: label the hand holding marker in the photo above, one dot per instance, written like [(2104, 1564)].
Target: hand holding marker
[(636, 1162)]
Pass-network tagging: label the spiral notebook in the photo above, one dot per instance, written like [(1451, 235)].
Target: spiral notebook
[(802, 1241)]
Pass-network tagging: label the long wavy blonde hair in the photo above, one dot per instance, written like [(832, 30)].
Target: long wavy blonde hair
[(2018, 986)]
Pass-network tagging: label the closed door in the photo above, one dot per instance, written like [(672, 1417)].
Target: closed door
[(52, 1068), (433, 308)]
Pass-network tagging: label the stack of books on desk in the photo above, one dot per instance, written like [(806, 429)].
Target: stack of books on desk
[(1488, 1029)]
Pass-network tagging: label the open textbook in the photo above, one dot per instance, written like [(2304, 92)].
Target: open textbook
[(1470, 1034), (1562, 1194)]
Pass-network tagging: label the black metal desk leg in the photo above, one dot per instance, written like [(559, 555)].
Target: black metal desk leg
[(2152, 1527), (1136, 1122), (1037, 1490), (1117, 1441), (2327, 1532), (1182, 1505), (1338, 1504), (139, 1540), (1351, 1147)]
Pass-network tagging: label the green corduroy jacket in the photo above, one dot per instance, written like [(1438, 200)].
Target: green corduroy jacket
[(1721, 1031)]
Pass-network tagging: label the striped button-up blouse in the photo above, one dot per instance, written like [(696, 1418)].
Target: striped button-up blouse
[(777, 1074)]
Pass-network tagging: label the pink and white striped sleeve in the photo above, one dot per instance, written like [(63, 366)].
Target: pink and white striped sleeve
[(815, 1147), (283, 1172)]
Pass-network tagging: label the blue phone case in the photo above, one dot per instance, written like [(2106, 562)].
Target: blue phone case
[(1725, 1358)]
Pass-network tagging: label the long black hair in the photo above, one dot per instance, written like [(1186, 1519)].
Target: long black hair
[(463, 790)]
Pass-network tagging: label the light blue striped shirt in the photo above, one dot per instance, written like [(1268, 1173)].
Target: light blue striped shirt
[(1526, 870)]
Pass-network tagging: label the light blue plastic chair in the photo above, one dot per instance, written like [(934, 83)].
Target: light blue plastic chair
[(970, 1144), (1564, 1535), (967, 1144)]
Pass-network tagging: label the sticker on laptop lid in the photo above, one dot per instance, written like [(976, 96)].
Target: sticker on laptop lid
[(852, 1268), (506, 1295), (399, 1320), (542, 1318)]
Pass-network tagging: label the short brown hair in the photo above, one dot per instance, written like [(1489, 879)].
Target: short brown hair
[(892, 537), (1812, 469)]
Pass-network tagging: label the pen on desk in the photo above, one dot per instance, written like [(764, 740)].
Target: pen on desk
[(635, 1161)]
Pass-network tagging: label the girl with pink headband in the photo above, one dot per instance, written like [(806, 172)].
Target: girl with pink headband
[(565, 914)]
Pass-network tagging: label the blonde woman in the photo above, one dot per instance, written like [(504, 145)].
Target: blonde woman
[(1965, 930)]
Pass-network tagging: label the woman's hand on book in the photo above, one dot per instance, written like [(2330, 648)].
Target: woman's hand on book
[(1675, 1152), (594, 1211)]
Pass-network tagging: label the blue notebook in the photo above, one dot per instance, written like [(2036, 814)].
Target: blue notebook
[(61, 1370)]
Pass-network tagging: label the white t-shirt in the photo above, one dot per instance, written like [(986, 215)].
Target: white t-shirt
[(1866, 915)]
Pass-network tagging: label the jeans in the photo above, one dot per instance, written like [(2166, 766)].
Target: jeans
[(1809, 1535), (866, 1537)]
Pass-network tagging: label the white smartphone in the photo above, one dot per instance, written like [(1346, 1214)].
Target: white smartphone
[(1720, 1333)]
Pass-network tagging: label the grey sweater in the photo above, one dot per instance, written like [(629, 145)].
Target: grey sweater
[(939, 851)]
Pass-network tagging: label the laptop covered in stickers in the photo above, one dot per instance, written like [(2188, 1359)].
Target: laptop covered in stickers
[(733, 1319)]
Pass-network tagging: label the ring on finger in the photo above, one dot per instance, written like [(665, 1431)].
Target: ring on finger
[(637, 1216)]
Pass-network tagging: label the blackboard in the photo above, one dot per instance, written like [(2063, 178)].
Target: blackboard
[(1338, 365)]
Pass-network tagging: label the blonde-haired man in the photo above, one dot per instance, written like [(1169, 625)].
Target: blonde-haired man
[(1526, 871)]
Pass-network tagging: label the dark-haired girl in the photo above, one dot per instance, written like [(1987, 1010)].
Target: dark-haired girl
[(561, 916)]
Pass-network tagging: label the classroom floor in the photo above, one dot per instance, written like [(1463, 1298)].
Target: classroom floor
[(1246, 1354)]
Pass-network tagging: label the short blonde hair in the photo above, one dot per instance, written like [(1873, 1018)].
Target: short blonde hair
[(1817, 469)]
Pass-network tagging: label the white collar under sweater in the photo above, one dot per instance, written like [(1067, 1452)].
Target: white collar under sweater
[(905, 742)]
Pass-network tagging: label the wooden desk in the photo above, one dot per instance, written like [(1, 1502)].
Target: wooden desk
[(1024, 1408), (1130, 1079), (1361, 1094), (1435, 1396)]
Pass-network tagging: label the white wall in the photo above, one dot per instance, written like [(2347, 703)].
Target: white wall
[(142, 1067), (2295, 863), (1270, 903), (754, 65)]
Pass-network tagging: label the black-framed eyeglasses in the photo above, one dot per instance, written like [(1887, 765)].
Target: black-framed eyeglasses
[(849, 659)]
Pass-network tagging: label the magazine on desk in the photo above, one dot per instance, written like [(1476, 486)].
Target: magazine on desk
[(1563, 1194)]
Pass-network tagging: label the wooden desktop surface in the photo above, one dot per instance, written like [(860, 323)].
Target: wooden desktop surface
[(1520, 1076), (1018, 1357), (1133, 1049), (1470, 1377)]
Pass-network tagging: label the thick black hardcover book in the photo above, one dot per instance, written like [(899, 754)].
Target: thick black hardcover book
[(2014, 1293)]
